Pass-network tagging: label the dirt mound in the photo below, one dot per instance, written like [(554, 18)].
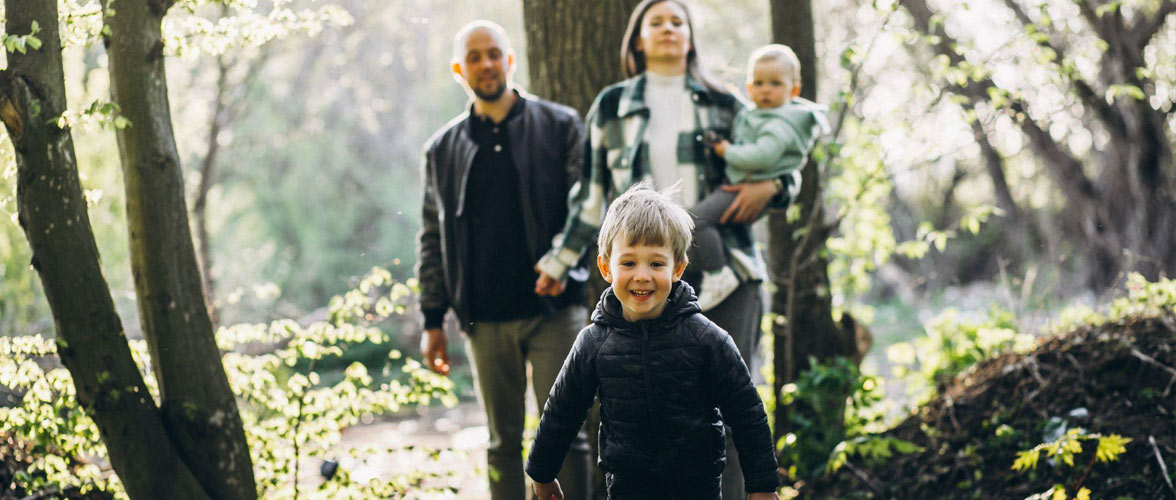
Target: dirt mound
[(1116, 378)]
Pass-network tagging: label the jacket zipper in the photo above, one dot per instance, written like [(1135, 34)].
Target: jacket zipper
[(645, 374)]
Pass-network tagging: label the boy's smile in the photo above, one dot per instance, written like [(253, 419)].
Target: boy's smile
[(641, 276)]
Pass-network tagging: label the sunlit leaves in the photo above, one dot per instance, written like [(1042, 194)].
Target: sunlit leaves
[(187, 34), (105, 114), (1063, 450), (284, 405), (954, 342), (22, 43), (1123, 89)]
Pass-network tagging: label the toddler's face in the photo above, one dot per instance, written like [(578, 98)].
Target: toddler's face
[(767, 86), (641, 277)]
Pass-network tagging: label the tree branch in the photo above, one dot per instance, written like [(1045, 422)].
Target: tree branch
[(1066, 169), (1146, 28), (1086, 93)]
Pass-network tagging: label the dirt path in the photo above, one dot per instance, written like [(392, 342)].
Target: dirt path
[(460, 432)]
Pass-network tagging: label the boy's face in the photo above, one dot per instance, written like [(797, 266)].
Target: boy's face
[(767, 86), (641, 277)]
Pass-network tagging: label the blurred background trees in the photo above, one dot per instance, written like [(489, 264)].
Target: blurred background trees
[(1023, 149)]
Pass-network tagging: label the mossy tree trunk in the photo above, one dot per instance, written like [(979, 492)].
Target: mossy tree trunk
[(53, 214), (198, 405)]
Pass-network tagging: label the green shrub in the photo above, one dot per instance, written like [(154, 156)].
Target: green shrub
[(289, 414)]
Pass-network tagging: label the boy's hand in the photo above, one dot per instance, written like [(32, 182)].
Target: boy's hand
[(721, 147), (549, 491), (435, 350), (763, 496)]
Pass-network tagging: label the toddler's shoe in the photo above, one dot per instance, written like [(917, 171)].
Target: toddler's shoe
[(716, 287)]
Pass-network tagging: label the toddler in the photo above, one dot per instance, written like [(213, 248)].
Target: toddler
[(772, 142)]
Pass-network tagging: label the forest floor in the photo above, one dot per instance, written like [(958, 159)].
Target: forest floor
[(459, 434), (1117, 378)]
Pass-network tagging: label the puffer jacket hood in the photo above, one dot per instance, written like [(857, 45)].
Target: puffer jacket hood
[(662, 384), (681, 303)]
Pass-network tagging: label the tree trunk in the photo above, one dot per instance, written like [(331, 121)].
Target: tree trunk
[(207, 173), (574, 47), (52, 212), (796, 259), (564, 37), (792, 25), (199, 408)]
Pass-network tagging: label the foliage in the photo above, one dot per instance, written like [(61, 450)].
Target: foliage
[(860, 185), (1064, 449), (952, 344), (1143, 299), (829, 428), (52, 431), (22, 43), (290, 416)]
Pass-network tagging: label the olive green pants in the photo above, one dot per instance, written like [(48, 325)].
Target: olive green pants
[(500, 352)]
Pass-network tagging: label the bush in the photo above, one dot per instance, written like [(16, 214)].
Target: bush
[(288, 412)]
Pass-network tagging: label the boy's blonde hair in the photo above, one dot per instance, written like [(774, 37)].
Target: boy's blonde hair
[(777, 52), (644, 216)]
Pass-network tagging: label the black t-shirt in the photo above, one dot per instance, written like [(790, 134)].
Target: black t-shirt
[(502, 275)]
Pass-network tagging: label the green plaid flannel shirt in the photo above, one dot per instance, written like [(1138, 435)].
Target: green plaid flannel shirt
[(618, 157)]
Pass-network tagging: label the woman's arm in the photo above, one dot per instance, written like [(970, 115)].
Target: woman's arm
[(586, 203)]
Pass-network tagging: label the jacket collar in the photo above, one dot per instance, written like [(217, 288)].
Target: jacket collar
[(679, 305), (516, 110), (633, 94)]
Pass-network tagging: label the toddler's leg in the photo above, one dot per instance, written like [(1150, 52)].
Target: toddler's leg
[(707, 251)]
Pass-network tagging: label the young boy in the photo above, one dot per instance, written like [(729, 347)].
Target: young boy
[(661, 369), (772, 142)]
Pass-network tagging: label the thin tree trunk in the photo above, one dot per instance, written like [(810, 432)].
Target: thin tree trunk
[(796, 258), (53, 214), (199, 408), (207, 172)]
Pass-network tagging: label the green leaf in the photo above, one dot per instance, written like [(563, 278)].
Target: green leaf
[(1026, 460)]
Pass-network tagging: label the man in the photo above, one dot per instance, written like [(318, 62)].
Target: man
[(495, 186)]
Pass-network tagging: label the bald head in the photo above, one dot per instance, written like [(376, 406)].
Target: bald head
[(481, 26), (483, 61)]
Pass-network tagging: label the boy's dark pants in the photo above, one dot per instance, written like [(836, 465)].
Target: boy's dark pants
[(651, 486)]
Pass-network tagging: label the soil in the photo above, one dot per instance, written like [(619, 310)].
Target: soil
[(1116, 378)]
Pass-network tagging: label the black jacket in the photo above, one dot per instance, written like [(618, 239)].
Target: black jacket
[(662, 384), (546, 144)]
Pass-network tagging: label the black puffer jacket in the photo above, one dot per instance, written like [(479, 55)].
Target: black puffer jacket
[(662, 384)]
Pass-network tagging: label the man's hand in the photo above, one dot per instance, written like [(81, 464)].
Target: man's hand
[(763, 496), (547, 286), (721, 147), (435, 350), (751, 200), (549, 491)]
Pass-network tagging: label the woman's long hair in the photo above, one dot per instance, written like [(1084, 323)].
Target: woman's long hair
[(633, 60)]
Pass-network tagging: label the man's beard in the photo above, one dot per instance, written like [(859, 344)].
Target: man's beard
[(491, 96)]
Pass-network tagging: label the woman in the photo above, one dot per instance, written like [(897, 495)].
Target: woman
[(653, 126)]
